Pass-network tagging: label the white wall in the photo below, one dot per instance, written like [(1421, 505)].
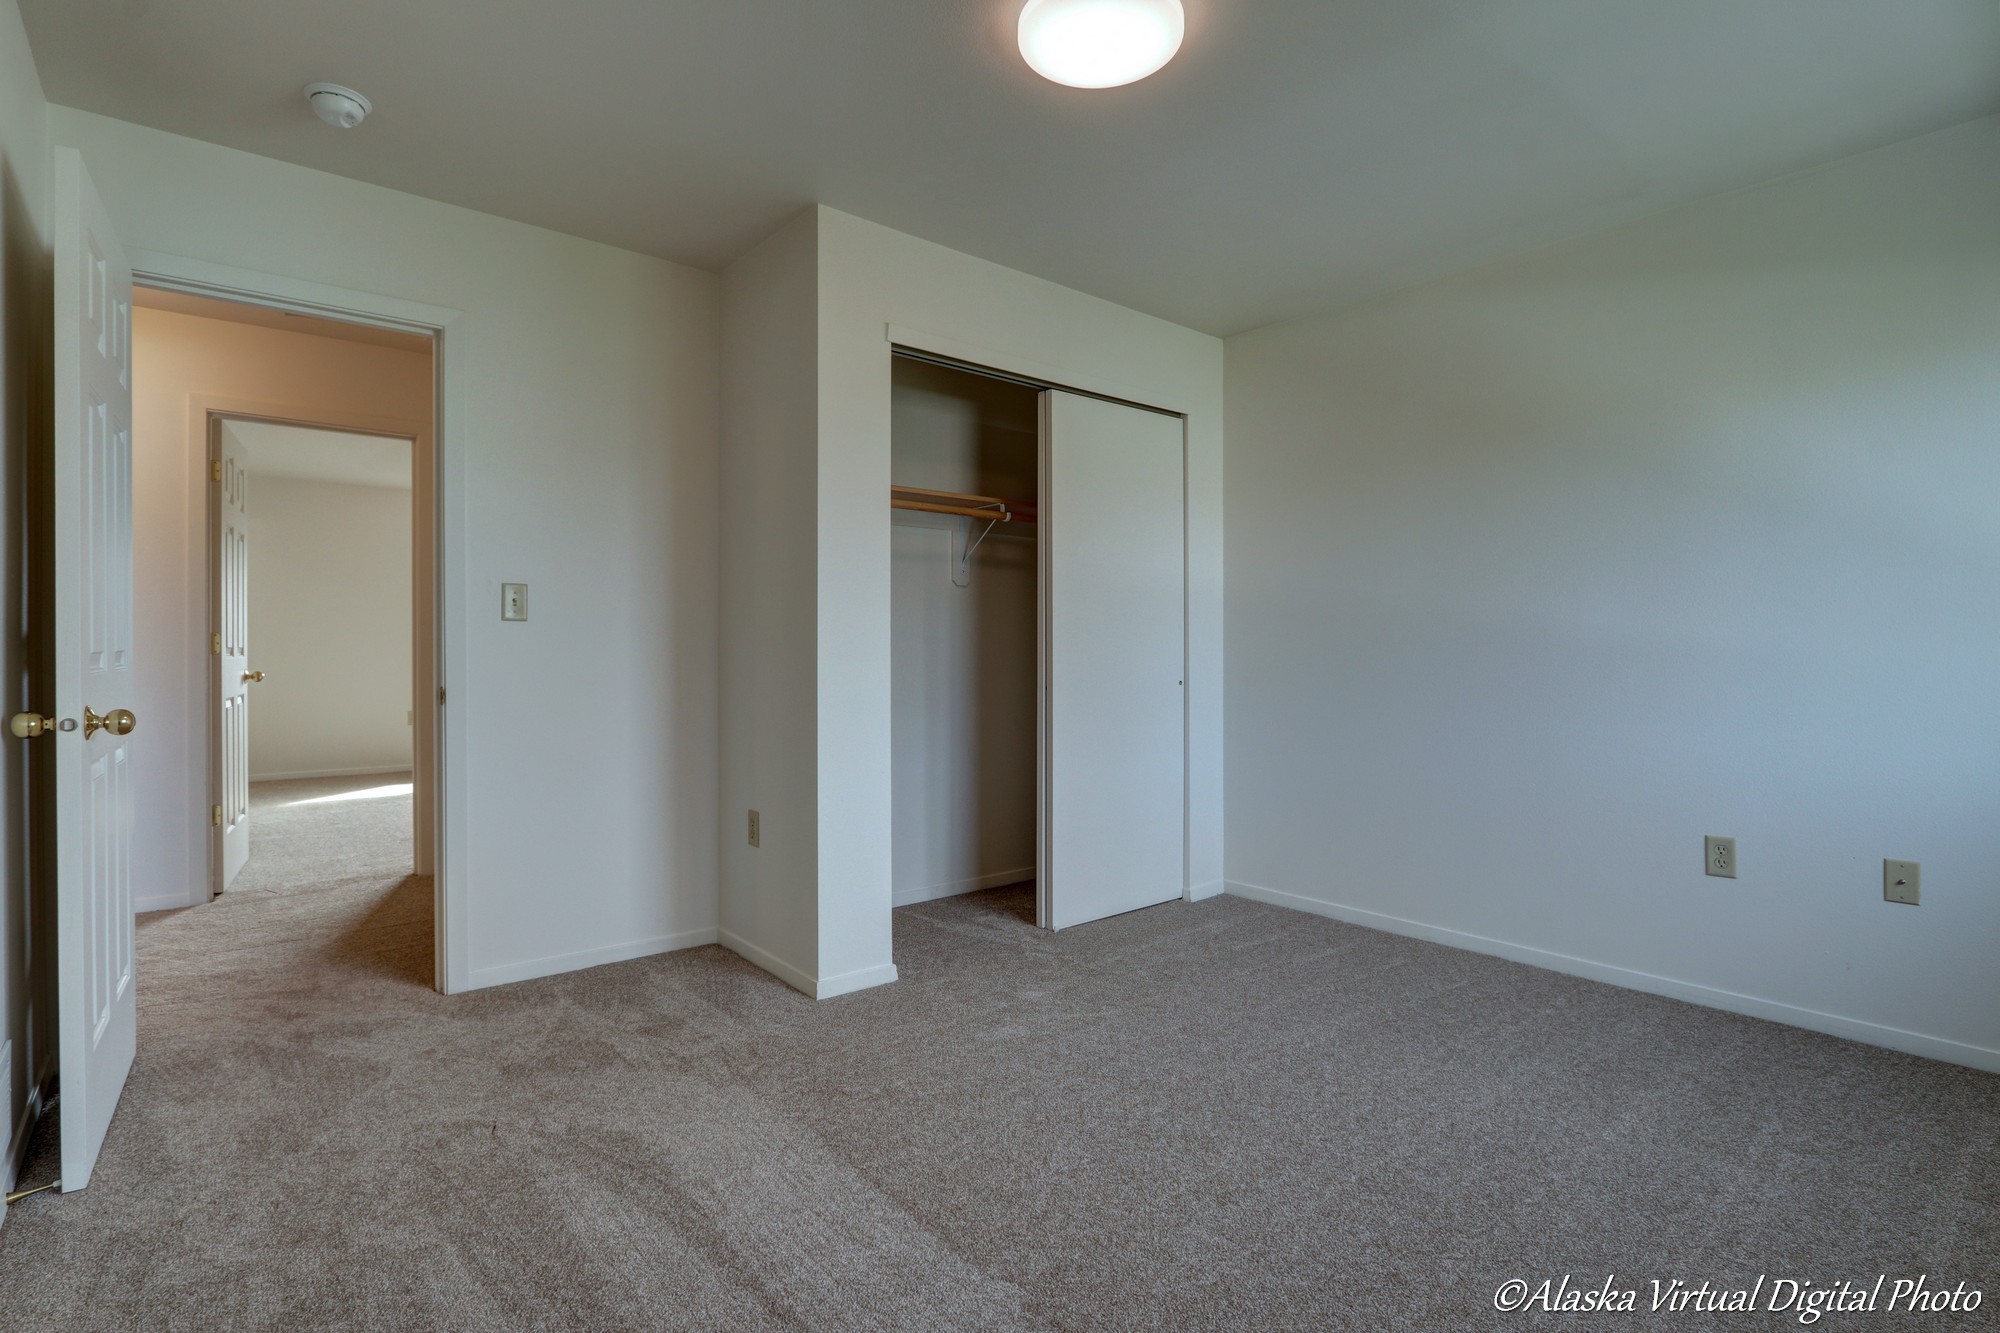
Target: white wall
[(1539, 575), (869, 279), (580, 394), (770, 905), (179, 362), (963, 665), (330, 626), (807, 634), (27, 1049)]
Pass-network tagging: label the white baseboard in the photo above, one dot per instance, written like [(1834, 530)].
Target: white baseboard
[(1196, 892), (555, 964), (1836, 1025), (20, 1131), (401, 770), (849, 982), (164, 902), (10, 1170), (819, 988), (931, 893), (795, 977)]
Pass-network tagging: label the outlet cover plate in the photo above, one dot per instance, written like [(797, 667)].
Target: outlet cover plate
[(756, 829), (1719, 857), (1900, 882)]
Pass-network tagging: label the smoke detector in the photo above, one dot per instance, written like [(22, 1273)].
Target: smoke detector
[(342, 108)]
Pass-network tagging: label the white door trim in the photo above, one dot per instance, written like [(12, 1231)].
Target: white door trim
[(203, 278), (976, 357)]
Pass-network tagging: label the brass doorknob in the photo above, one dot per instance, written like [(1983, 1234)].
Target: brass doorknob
[(30, 725), (254, 677), (119, 722)]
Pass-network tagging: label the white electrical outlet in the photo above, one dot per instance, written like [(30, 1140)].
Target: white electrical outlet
[(1719, 857), (756, 833), (1900, 882)]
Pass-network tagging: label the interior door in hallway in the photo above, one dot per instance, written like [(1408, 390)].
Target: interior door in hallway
[(229, 478), (96, 994), (1114, 656)]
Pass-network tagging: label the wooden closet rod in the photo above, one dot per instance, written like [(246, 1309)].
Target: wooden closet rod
[(964, 511), (960, 504), (946, 497)]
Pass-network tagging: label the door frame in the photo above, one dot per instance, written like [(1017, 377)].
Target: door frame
[(206, 415), (446, 512), (934, 349)]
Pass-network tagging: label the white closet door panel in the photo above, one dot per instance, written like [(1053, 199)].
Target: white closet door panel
[(1114, 659)]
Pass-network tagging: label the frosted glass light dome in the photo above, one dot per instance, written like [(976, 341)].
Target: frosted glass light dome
[(1100, 43)]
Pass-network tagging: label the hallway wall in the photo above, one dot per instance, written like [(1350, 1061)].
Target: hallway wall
[(330, 627), (174, 356)]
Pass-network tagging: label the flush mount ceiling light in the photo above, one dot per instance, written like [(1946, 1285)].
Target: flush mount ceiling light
[(342, 108), (1100, 43)]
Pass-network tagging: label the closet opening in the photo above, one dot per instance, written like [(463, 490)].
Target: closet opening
[(1038, 667), (965, 620)]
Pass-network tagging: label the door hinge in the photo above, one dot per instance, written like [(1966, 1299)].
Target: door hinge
[(440, 695), (215, 816), (215, 644), (215, 469)]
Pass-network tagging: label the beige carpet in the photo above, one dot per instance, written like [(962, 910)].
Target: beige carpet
[(1220, 1115)]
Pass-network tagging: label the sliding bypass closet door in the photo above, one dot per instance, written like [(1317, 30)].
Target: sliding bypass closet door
[(1113, 659)]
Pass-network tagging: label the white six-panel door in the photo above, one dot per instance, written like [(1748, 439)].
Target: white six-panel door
[(1113, 659), (231, 483), (97, 1014)]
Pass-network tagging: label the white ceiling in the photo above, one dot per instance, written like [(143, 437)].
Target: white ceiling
[(1298, 153), (304, 453)]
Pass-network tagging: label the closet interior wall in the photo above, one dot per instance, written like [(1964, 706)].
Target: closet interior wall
[(964, 657)]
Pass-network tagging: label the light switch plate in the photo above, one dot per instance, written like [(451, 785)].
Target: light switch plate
[(513, 601), (1900, 882)]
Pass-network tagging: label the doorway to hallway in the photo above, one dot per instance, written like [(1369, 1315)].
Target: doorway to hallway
[(312, 555), (300, 608)]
